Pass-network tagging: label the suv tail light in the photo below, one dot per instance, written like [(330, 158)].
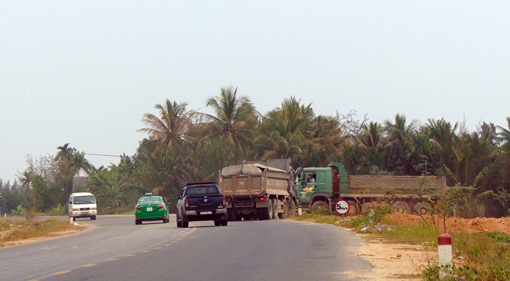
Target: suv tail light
[(224, 201), (186, 203)]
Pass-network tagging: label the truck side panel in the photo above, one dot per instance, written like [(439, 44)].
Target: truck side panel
[(394, 184)]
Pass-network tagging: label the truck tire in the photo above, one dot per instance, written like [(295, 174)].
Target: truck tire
[(353, 208), (224, 222), (270, 209), (231, 214), (261, 213), (184, 222), (319, 204), (177, 221), (423, 208), (275, 209), (401, 207), (285, 212), (93, 218), (217, 223), (292, 208)]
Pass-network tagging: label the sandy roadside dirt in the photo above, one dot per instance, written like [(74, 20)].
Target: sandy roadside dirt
[(405, 262)]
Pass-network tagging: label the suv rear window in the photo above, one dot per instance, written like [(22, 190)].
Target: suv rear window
[(202, 190)]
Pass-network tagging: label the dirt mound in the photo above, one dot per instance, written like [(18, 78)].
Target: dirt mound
[(456, 224)]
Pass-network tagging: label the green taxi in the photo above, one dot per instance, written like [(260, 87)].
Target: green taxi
[(151, 208)]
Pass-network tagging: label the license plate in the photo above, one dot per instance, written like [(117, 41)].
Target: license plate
[(149, 209), (206, 213)]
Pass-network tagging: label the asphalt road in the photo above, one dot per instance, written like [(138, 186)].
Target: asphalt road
[(114, 248)]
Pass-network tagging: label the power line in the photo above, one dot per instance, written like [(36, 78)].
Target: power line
[(97, 154)]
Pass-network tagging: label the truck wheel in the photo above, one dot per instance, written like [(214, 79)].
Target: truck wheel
[(353, 208), (400, 207), (184, 222), (319, 204), (423, 208), (270, 209), (177, 221), (217, 223), (231, 214), (275, 209), (93, 218), (224, 222), (292, 208), (285, 212), (261, 213)]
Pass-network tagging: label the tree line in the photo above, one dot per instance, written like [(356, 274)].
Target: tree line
[(184, 145)]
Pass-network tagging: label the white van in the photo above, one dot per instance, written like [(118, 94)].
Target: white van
[(82, 204)]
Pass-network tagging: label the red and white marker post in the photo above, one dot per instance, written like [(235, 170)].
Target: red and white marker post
[(445, 256)]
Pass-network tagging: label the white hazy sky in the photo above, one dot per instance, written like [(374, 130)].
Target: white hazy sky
[(85, 72)]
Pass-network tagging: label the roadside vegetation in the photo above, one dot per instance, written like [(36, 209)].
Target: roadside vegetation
[(476, 256), (184, 145), (13, 232)]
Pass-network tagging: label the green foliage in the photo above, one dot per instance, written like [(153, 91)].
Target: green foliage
[(58, 210), (323, 211), (456, 200), (185, 145), (374, 213), (478, 256), (29, 214)]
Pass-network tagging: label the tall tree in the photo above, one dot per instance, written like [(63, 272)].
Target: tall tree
[(284, 129), (443, 139), (170, 126), (234, 119), (400, 146)]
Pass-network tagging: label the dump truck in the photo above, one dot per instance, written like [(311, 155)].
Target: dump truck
[(324, 186), (261, 190)]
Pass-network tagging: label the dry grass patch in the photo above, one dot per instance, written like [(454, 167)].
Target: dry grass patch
[(14, 232)]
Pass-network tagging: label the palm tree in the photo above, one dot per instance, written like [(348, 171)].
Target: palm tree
[(170, 127), (400, 146), (65, 153), (284, 129), (443, 139), (234, 119), (325, 143), (26, 182), (504, 134)]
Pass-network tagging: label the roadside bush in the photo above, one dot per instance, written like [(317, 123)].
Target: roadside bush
[(478, 256), (29, 214), (58, 210)]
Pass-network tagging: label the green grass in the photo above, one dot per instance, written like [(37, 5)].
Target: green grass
[(477, 256)]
